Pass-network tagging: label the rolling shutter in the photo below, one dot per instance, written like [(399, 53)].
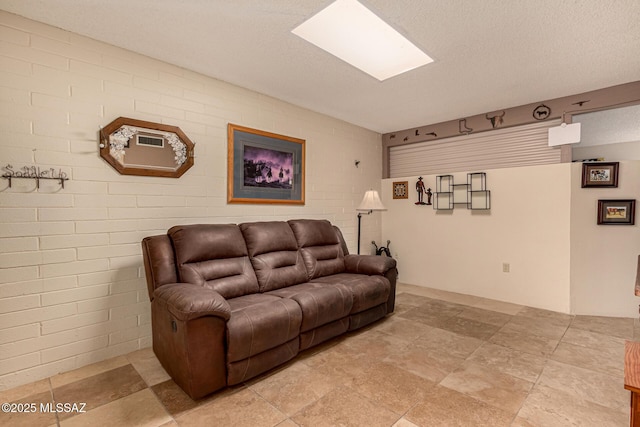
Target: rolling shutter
[(502, 148)]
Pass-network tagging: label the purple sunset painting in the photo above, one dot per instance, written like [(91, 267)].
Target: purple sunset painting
[(267, 168)]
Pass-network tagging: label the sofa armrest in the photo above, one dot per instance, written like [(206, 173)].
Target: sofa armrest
[(368, 264), (186, 301)]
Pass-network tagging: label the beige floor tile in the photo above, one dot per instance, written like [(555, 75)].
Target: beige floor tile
[(548, 407), (485, 316), (607, 360), (345, 407), (444, 407), (29, 411), (392, 387), (100, 389), (410, 299), (509, 361), (542, 327), (591, 339), (371, 346), (499, 306), (403, 422), (338, 364), (431, 365), (523, 341), (22, 391), (88, 371), (560, 319), (439, 342), (617, 327), (137, 409), (244, 408), (176, 401), (468, 327), (432, 314), (295, 387), (489, 385), (586, 384), (402, 328), (287, 423), (148, 366)]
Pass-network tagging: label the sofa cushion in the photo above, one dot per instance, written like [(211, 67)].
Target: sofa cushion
[(320, 303), (260, 322), (274, 254), (320, 247), (214, 256), (367, 291)]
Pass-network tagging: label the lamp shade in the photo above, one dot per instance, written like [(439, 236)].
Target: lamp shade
[(371, 202)]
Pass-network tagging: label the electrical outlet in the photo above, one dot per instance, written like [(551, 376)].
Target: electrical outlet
[(506, 267)]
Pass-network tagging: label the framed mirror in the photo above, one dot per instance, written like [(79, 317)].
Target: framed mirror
[(137, 147)]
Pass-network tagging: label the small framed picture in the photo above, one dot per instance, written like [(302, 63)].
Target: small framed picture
[(400, 190), (600, 174), (618, 212)]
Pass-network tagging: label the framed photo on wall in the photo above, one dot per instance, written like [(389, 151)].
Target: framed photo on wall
[(600, 174), (264, 167), (618, 212)]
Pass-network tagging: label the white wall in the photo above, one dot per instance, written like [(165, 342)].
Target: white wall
[(542, 223), (72, 290), (463, 250), (604, 257)]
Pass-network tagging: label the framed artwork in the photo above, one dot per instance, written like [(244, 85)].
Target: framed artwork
[(600, 174), (400, 190), (618, 212), (264, 167)]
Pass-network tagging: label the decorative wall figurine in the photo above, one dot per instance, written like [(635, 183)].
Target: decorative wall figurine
[(541, 112), (462, 127), (496, 120), (429, 194), (382, 250), (420, 190)]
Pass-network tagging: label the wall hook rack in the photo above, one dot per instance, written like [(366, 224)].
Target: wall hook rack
[(34, 172)]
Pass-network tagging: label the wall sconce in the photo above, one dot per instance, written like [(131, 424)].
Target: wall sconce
[(370, 202)]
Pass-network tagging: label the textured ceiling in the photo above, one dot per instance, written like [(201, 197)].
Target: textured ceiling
[(489, 54)]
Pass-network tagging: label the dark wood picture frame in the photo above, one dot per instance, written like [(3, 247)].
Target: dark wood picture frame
[(617, 212), (264, 167), (600, 174)]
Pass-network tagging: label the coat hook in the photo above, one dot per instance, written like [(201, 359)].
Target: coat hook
[(357, 162)]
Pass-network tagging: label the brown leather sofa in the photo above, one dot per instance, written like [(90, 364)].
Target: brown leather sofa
[(229, 302)]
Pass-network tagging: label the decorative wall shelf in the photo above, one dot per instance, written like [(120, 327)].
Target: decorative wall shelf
[(473, 194)]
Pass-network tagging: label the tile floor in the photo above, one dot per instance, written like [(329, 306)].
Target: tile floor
[(441, 359)]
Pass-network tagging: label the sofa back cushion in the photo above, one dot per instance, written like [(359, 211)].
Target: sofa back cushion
[(320, 246), (274, 254), (214, 256)]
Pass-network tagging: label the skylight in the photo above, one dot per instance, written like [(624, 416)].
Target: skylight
[(351, 32)]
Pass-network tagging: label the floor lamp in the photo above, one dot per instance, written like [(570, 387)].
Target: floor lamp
[(370, 202)]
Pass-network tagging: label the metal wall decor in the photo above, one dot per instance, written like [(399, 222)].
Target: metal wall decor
[(137, 147), (35, 173), (541, 112), (496, 120)]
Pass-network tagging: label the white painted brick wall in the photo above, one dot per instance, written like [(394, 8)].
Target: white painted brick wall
[(72, 288)]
